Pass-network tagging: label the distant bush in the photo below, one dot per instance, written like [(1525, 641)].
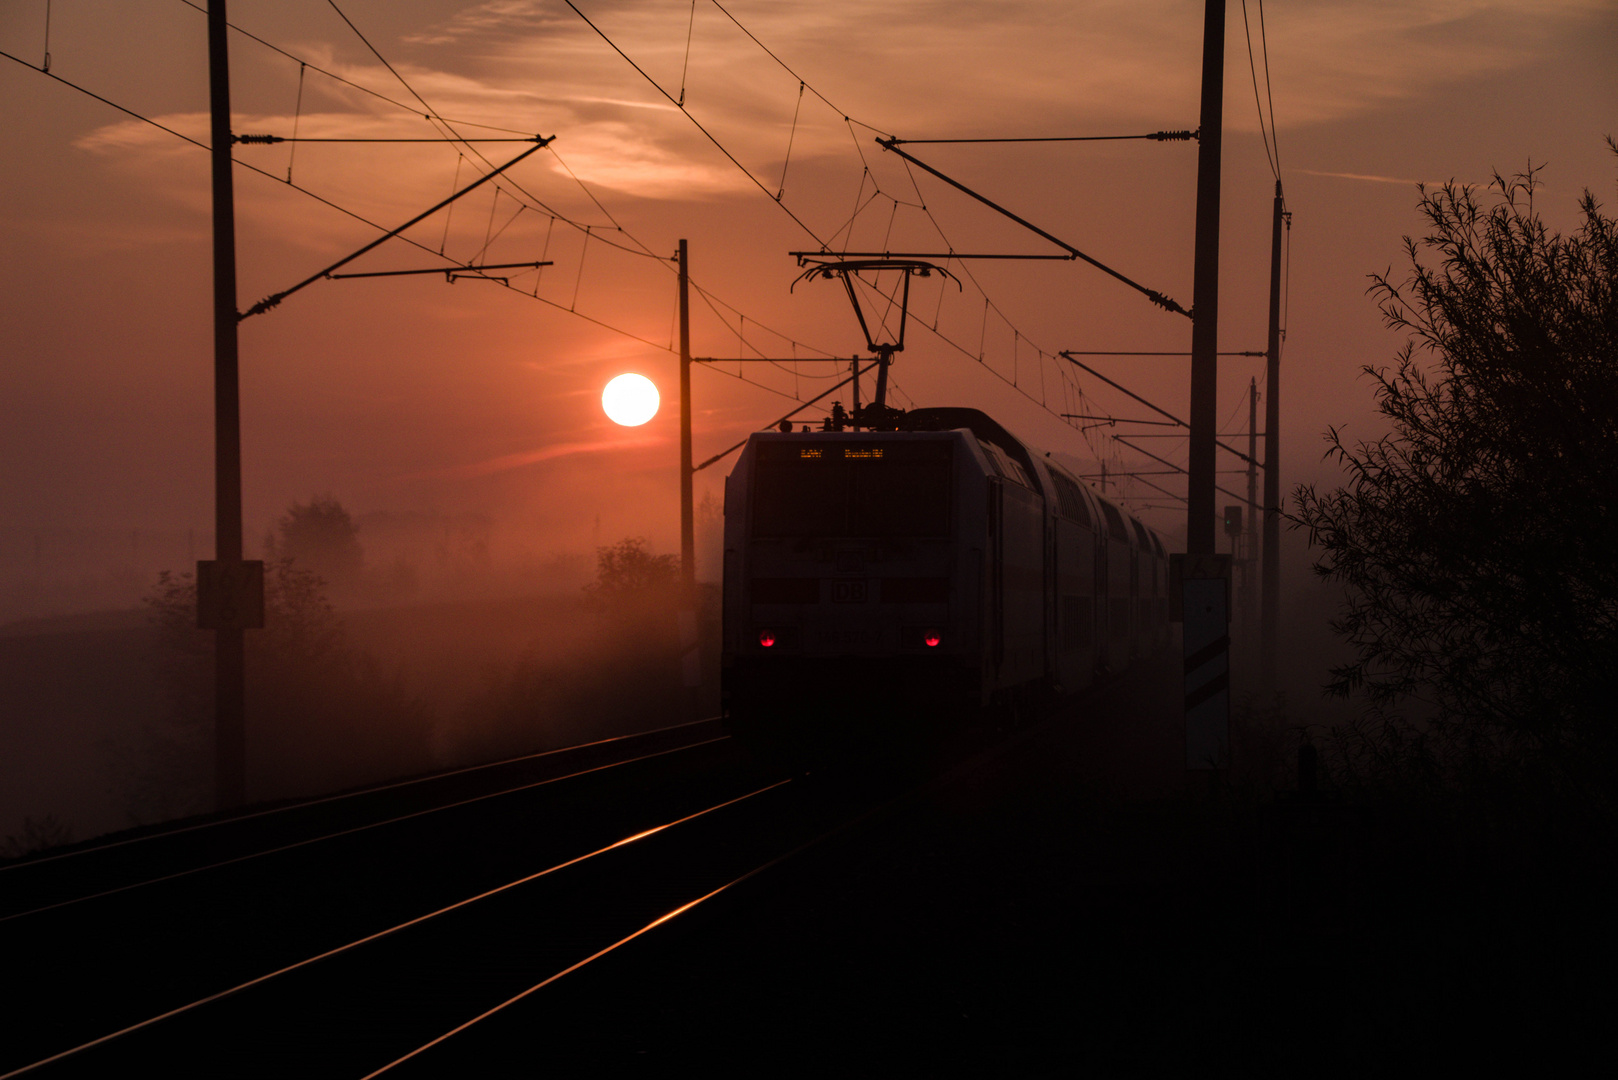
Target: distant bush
[(629, 575), (320, 713), (40, 834), (322, 538), (613, 674)]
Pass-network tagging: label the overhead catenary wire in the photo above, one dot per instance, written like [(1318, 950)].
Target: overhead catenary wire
[(589, 233), (809, 88), (297, 116), (787, 160), (436, 118), (687, 113), (1273, 157), (381, 228), (788, 69), (1172, 465), (988, 304), (1149, 405), (338, 78), (805, 89), (1155, 136), (1269, 87), (275, 298), (690, 30), (269, 140), (1158, 298)]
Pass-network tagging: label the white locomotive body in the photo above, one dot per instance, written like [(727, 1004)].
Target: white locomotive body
[(880, 585)]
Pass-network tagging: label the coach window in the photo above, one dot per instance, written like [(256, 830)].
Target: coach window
[(1016, 473), (1115, 522)]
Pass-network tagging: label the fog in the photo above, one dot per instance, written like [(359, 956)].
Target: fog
[(459, 424), (461, 639)]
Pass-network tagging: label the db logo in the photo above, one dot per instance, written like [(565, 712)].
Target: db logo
[(848, 592)]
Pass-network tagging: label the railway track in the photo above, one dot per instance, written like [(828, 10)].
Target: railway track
[(96, 869), (370, 951), (142, 940)]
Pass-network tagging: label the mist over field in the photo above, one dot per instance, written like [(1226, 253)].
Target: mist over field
[(462, 643), (453, 642), (460, 424)]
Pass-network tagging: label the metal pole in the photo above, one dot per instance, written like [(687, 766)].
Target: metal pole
[(884, 358), (1205, 299), (1270, 603), (687, 513), (854, 414), (230, 729), (690, 656), (1250, 541), (1205, 577)]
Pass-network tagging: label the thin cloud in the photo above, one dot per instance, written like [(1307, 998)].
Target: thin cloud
[(1403, 181), (1374, 179), (507, 462), (488, 18)]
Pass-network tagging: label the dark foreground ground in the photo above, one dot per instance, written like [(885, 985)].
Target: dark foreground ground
[(1075, 908)]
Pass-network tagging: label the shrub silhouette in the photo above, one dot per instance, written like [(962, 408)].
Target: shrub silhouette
[(320, 713), (323, 539), (1475, 541), (627, 575)]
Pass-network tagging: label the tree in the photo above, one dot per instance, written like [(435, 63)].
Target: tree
[(321, 537), (628, 574), (1476, 541), (321, 714)]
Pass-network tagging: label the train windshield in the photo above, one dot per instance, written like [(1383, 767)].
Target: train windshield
[(809, 488)]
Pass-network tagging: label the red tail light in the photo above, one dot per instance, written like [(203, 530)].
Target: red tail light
[(766, 638), (931, 638)]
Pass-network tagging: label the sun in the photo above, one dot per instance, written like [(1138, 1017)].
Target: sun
[(630, 400)]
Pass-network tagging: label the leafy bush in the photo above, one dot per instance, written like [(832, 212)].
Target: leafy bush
[(1475, 541)]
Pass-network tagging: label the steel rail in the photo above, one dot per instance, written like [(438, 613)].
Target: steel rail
[(351, 831), (959, 771), (349, 946), (654, 924), (359, 793)]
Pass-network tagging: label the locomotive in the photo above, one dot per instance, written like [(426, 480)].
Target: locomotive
[(881, 586)]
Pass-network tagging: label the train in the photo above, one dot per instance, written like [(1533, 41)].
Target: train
[(881, 587)]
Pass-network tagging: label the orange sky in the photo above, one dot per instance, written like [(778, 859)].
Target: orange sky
[(415, 395)]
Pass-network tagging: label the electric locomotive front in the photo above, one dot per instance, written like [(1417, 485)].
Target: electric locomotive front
[(852, 591)]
